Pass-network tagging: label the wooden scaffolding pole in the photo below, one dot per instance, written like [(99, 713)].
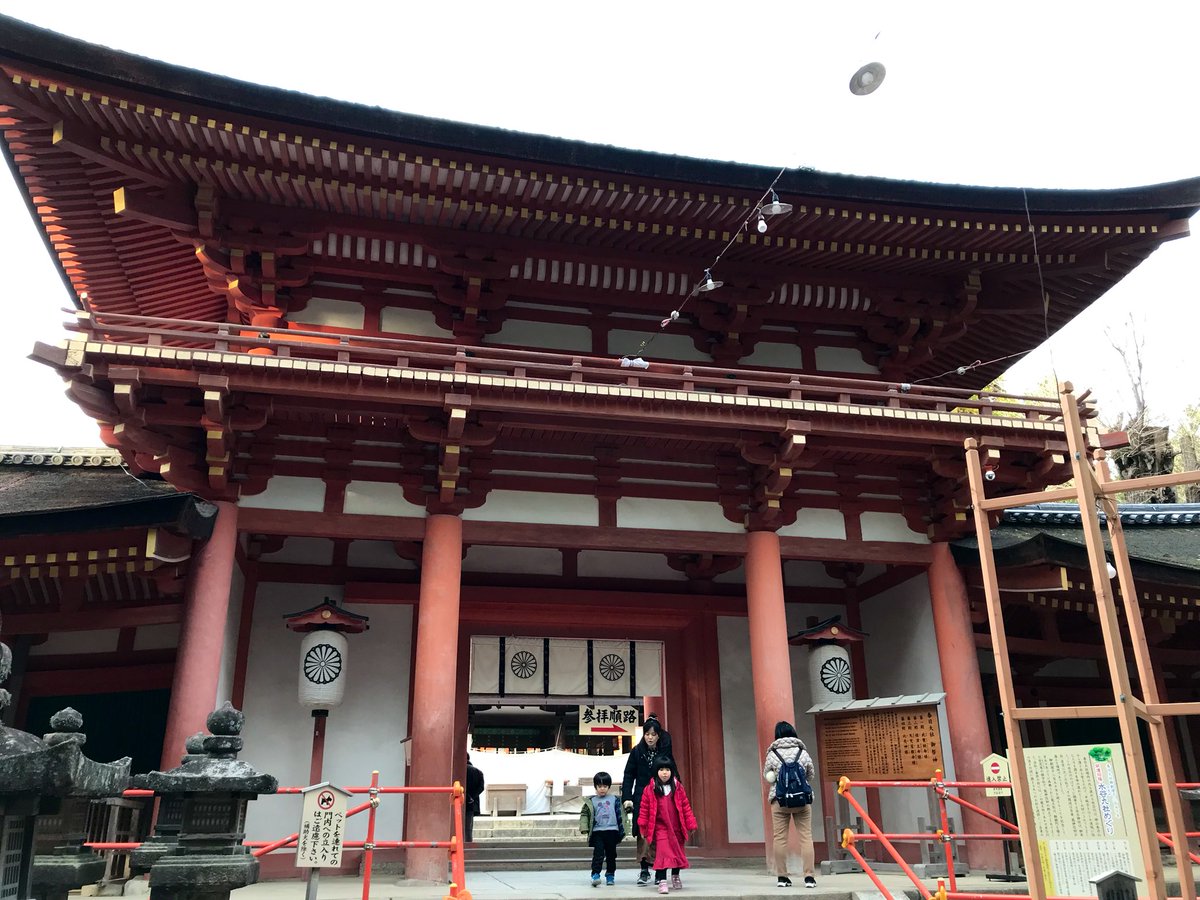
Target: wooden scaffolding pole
[(1092, 485)]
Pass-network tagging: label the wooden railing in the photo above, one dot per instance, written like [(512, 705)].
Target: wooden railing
[(444, 356)]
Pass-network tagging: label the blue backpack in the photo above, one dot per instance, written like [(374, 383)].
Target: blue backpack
[(791, 783)]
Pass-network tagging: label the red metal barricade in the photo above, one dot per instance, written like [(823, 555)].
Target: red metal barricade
[(458, 877), (943, 835)]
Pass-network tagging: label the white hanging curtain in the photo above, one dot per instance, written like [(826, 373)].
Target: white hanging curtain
[(560, 667)]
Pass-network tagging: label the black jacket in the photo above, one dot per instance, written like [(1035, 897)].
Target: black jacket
[(474, 786)]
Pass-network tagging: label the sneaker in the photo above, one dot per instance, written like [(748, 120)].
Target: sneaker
[(644, 877), (663, 888), (783, 881), (809, 881), (610, 880), (676, 884)]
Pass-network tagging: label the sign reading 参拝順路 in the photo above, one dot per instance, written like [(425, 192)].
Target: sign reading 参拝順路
[(613, 721)]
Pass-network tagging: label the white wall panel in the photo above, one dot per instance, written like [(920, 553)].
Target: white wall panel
[(303, 551), (411, 322), (514, 560), (375, 498), (881, 526), (818, 523), (363, 733), (775, 356), (674, 515), (63, 643), (332, 313), (614, 564), (537, 508), (288, 492), (843, 359), (376, 555), (547, 335)]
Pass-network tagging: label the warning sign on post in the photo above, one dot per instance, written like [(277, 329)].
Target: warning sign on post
[(322, 827), (995, 768)]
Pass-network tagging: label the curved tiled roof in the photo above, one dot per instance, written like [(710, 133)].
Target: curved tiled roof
[(1166, 514)]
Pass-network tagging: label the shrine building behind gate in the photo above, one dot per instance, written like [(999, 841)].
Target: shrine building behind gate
[(380, 358)]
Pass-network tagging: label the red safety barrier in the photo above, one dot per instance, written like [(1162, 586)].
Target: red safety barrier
[(945, 837), (458, 875)]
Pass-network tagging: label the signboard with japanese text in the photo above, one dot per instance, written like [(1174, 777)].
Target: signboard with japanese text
[(880, 744), (1083, 814), (995, 769), (322, 827), (614, 721)]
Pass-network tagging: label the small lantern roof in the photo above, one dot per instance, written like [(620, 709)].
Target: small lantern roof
[(327, 616), (325, 786), (1113, 873), (831, 630)]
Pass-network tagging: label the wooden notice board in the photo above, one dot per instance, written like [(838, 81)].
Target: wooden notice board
[(883, 744)]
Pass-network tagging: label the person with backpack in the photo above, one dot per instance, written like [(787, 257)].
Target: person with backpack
[(790, 774)]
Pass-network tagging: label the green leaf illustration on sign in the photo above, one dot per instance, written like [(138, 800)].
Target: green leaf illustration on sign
[(1100, 754)]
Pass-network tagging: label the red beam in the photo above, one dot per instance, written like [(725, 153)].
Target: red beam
[(93, 619)]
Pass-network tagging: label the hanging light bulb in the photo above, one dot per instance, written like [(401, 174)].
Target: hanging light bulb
[(776, 207), (762, 224), (707, 283)]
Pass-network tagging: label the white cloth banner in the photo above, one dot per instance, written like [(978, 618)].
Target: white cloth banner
[(610, 668), (615, 672), (568, 667), (524, 666)]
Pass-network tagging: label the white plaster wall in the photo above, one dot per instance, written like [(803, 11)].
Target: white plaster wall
[(674, 515), (551, 336), (237, 585), (288, 492), (614, 564), (775, 356), (818, 523), (376, 555), (303, 551), (808, 573), (414, 322), (536, 507), (363, 733), (843, 359), (902, 658), (744, 787), (333, 313), (375, 498), (881, 526), (61, 643), (666, 346), (514, 560), (156, 637)]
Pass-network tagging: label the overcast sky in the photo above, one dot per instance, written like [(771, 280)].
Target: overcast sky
[(1046, 94)]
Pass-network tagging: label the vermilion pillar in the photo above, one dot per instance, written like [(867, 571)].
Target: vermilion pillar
[(201, 636), (966, 711), (770, 660), (435, 671)]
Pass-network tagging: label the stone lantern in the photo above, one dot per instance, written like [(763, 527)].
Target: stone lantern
[(1116, 885), (34, 772), (170, 817), (63, 821), (215, 787)]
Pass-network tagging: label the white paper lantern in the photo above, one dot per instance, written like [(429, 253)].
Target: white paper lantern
[(829, 673), (322, 669)]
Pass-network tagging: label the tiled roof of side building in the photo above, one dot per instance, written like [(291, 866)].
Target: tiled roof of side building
[(58, 490)]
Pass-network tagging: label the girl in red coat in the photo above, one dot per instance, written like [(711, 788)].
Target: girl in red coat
[(665, 813)]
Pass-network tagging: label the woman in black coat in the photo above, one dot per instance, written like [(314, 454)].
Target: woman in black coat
[(639, 772)]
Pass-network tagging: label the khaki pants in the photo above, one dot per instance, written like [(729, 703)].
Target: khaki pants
[(802, 816)]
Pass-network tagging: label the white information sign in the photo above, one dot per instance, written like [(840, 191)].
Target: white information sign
[(614, 721), (322, 827), (995, 768), (1083, 812)]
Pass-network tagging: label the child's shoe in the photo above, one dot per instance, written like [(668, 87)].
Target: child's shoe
[(676, 884), (596, 880), (663, 888), (610, 880), (809, 881), (644, 877), (783, 881)]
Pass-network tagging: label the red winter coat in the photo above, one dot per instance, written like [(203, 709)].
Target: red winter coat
[(648, 810)]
